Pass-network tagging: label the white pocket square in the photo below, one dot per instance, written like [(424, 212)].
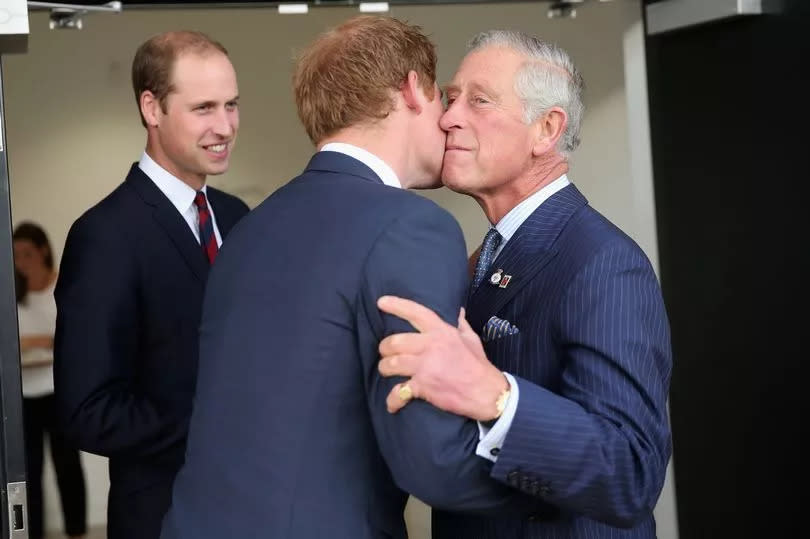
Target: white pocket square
[(495, 328)]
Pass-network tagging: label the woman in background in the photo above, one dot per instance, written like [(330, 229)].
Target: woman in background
[(36, 312)]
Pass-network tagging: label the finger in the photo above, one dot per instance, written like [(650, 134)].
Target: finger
[(399, 365), (462, 315), (419, 316), (394, 402), (471, 340), (465, 328), (402, 343)]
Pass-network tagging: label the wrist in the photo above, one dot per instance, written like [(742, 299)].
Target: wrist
[(496, 400)]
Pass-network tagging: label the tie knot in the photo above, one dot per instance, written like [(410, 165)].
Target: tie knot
[(199, 200)]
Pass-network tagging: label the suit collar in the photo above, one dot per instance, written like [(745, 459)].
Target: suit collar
[(342, 164), (225, 219), (167, 216), (531, 248), (382, 169), (510, 222), (176, 190)]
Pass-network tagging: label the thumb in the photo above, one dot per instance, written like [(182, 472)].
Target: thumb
[(462, 317), (464, 327)]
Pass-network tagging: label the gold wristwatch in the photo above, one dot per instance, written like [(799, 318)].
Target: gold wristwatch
[(503, 398)]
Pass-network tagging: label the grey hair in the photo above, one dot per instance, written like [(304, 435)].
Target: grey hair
[(548, 79)]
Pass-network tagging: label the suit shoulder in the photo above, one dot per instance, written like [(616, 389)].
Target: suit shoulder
[(113, 208), (591, 235), (601, 230), (416, 208)]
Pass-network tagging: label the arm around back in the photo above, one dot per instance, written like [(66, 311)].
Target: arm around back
[(431, 454)]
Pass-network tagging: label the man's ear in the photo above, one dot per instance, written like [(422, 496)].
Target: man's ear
[(412, 92), (150, 108), (548, 129)]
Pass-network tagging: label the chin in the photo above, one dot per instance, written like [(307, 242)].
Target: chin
[(217, 170), (453, 184)]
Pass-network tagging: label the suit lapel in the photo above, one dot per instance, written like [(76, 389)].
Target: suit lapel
[(171, 221), (527, 252), (224, 219)]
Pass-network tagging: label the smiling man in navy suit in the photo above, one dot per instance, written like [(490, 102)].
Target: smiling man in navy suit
[(570, 386), (130, 289), (290, 437)]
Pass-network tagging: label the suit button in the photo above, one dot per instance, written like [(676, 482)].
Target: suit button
[(513, 478)]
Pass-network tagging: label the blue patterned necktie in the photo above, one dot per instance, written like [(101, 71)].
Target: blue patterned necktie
[(488, 248)]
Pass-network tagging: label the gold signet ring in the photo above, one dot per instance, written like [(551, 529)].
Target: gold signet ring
[(405, 392)]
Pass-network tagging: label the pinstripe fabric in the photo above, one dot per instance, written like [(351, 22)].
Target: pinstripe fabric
[(590, 436)]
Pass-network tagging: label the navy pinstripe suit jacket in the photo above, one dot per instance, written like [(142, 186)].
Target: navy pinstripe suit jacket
[(592, 358)]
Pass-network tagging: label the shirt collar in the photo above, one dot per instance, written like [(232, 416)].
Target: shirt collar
[(380, 167), (176, 190), (517, 215)]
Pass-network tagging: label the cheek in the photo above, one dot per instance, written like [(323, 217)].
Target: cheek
[(506, 144), (188, 129)]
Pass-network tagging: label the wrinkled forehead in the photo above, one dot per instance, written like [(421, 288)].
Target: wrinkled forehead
[(490, 70), (492, 65)]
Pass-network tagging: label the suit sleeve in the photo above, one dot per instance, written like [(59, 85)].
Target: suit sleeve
[(96, 348), (431, 454), (599, 446)]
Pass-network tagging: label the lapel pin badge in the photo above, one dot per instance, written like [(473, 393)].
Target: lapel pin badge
[(499, 279)]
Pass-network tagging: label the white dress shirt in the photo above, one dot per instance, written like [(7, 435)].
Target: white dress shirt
[(380, 167), (180, 194), (491, 439)]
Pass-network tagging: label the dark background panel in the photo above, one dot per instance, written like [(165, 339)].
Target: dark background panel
[(729, 121)]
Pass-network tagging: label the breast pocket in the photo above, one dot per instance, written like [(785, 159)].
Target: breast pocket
[(505, 352)]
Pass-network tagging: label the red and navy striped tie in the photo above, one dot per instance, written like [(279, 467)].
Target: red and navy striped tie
[(208, 239)]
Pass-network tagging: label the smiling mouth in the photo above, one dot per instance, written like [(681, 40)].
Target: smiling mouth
[(217, 148)]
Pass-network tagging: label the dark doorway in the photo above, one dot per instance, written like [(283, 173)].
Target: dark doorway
[(728, 113)]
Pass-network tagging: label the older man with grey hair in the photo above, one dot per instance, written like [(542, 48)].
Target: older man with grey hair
[(564, 355)]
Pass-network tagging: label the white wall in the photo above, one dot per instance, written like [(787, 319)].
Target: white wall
[(73, 127)]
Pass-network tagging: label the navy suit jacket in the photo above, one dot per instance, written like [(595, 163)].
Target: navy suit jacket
[(129, 300), (290, 436), (592, 360)]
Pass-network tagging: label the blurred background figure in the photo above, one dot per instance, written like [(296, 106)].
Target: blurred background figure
[(35, 278)]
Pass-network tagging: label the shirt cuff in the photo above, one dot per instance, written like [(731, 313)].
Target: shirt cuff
[(491, 439)]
